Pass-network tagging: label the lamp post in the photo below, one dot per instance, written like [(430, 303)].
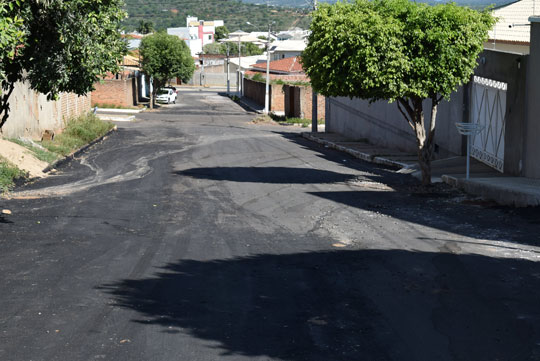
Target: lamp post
[(267, 89)]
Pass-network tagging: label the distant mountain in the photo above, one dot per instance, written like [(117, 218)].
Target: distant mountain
[(476, 4), (172, 13)]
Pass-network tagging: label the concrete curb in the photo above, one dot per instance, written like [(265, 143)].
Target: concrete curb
[(116, 110), (356, 153), (74, 154), (500, 194)]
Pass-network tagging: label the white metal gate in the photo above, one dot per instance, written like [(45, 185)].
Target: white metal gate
[(488, 109)]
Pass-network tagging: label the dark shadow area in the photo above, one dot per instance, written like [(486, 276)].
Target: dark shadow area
[(276, 175), (347, 305), (5, 220)]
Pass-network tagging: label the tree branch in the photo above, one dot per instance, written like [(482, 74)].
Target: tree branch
[(4, 105), (405, 115)]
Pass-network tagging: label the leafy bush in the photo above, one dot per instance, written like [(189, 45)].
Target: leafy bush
[(8, 174), (258, 77)]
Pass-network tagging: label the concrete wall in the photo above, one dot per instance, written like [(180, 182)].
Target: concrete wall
[(531, 162), (298, 102), (31, 113), (382, 123), (121, 92), (213, 79)]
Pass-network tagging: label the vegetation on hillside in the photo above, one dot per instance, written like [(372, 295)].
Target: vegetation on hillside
[(172, 13), (247, 49)]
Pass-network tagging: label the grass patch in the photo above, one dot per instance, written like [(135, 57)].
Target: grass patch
[(78, 132), (115, 106), (8, 174), (41, 154), (302, 121)]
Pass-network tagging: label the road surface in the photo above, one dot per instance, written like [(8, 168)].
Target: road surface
[(192, 234)]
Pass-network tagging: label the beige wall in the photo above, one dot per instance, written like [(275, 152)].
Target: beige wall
[(31, 113)]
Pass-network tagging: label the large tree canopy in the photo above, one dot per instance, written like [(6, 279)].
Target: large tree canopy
[(164, 57), (66, 45), (396, 50)]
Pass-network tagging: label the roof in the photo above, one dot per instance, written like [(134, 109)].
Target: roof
[(248, 61), (289, 45), (513, 24), (284, 66), (286, 78)]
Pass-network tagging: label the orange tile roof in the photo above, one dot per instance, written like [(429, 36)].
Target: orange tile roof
[(287, 65)]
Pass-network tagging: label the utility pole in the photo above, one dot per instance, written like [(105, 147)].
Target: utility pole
[(314, 107), (267, 91), (239, 67), (228, 78)]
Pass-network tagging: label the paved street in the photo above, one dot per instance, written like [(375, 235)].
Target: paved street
[(191, 234)]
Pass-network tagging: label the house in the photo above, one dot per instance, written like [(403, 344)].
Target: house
[(293, 34), (197, 33), (287, 69), (287, 49), (192, 40), (512, 31)]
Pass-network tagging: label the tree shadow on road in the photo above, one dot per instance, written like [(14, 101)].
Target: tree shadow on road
[(347, 305), (271, 175)]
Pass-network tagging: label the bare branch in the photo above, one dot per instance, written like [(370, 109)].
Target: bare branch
[(405, 115)]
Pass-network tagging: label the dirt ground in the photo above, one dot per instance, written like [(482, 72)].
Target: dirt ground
[(22, 158)]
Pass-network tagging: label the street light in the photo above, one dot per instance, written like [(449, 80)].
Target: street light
[(267, 85)]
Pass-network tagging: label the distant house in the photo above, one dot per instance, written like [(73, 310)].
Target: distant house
[(192, 40), (512, 31), (287, 69), (287, 49), (197, 33)]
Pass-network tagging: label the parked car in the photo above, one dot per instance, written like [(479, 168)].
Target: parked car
[(171, 87), (166, 95)]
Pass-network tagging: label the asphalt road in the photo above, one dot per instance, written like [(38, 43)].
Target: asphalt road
[(191, 234)]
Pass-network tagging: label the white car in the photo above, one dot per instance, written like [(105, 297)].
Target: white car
[(166, 95)]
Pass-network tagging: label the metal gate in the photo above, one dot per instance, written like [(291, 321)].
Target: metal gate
[(488, 109)]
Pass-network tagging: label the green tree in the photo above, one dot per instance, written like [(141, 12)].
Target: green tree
[(164, 57), (215, 48), (396, 50), (145, 27), (65, 46), (221, 32), (11, 35)]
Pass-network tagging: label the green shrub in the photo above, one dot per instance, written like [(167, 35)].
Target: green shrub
[(258, 77), (8, 174)]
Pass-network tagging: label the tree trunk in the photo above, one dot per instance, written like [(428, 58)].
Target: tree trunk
[(414, 114), (152, 99)]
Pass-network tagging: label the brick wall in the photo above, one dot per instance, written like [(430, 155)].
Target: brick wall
[(256, 91), (298, 102), (122, 92)]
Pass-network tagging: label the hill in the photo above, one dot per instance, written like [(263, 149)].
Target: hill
[(173, 13)]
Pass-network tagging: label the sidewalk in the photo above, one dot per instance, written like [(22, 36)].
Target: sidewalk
[(484, 181)]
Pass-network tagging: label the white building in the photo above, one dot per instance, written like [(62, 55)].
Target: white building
[(287, 49), (513, 30)]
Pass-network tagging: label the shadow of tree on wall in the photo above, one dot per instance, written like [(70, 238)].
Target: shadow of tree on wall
[(347, 305)]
